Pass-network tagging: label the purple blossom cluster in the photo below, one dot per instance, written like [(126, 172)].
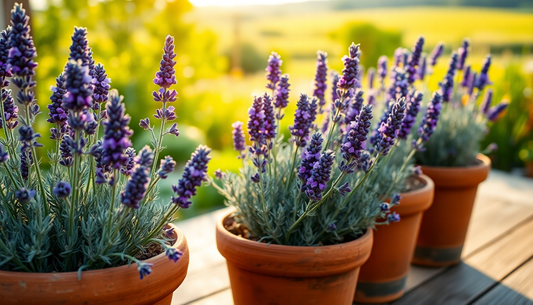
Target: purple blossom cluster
[(10, 111), (4, 156), (466, 76), (24, 195), (127, 170), (273, 70), (436, 53), (422, 68), (167, 166), (320, 79), (355, 141), (303, 121), (446, 86), (270, 119), (483, 79), (57, 114), (116, 133), (238, 138), (166, 77), (79, 49), (334, 86), (399, 86), (138, 182), (382, 68), (62, 189), (351, 68), (429, 122), (193, 175), (494, 112), (101, 86), (21, 48), (310, 156), (354, 107), (389, 130), (320, 175), (411, 111), (487, 101), (414, 60), (463, 53), (282, 95), (4, 53)]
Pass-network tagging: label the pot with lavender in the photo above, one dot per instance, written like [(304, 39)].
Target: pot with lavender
[(383, 276), (304, 208), (453, 159), (89, 229)]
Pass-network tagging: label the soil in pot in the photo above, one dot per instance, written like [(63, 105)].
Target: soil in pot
[(263, 273), (444, 225), (382, 278), (118, 285)]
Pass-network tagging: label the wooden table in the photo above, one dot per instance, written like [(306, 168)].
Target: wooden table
[(497, 265)]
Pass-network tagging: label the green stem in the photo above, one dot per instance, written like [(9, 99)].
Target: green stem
[(156, 152), (112, 207), (11, 177)]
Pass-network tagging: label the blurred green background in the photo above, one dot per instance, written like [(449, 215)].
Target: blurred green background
[(222, 52)]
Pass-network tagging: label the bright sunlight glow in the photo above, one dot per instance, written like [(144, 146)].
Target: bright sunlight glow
[(240, 2)]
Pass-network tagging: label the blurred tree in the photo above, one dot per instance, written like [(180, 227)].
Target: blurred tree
[(374, 41)]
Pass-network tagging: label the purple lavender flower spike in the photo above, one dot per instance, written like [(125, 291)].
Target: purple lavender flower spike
[(144, 269), (355, 141), (389, 130), (166, 77), (436, 53), (393, 217), (384, 207), (413, 107), (431, 117), (273, 70), (494, 112), (302, 117), (414, 59), (116, 132), (219, 174), (398, 57), (57, 114), (128, 169), (62, 189), (331, 227), (4, 156), (270, 119), (446, 86), (416, 170), (10, 110), (466, 77), (238, 138), (101, 86), (256, 121), (24, 195), (313, 108), (173, 254), (193, 175), (145, 124), (471, 83), (282, 95), (334, 86), (320, 175), (348, 79), (372, 99), (24, 165), (371, 75), (355, 107), (136, 187), (422, 68), (21, 48), (344, 189), (173, 129), (66, 154), (374, 139), (395, 199), (167, 166), (4, 52), (483, 78), (167, 114), (169, 233), (487, 100), (365, 161), (79, 49), (382, 68), (310, 156), (399, 86), (463, 53), (320, 79), (79, 97)]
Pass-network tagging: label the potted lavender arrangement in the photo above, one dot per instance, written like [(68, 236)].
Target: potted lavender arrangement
[(382, 278), (453, 160), (305, 208), (80, 226)]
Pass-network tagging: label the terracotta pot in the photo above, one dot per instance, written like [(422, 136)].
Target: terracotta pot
[(443, 229), (529, 169), (382, 277), (118, 285), (284, 275)]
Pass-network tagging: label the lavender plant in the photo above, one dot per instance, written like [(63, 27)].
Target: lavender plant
[(97, 207), (464, 120), (319, 187)]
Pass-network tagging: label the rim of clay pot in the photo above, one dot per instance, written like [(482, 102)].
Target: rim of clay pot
[(417, 200), (459, 176), (103, 284), (292, 261)]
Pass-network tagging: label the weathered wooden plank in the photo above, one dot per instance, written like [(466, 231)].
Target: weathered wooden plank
[(202, 283), (466, 281), (516, 289), (220, 298)]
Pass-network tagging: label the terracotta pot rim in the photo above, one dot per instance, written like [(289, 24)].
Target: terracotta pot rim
[(459, 176), (180, 240), (301, 261), (418, 200)]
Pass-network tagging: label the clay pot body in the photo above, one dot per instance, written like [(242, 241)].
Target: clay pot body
[(284, 275), (529, 169), (118, 285), (444, 226), (382, 277)]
